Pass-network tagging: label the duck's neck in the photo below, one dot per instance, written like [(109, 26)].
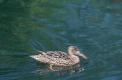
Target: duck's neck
[(70, 52), (74, 58)]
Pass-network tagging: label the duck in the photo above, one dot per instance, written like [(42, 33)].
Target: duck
[(60, 58)]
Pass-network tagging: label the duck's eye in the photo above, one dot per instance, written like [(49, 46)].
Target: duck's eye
[(76, 49)]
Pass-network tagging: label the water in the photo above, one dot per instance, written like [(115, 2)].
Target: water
[(94, 26)]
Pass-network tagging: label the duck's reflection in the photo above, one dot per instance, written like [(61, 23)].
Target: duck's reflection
[(60, 71)]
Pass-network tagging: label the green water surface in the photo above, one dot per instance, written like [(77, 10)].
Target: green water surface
[(95, 26)]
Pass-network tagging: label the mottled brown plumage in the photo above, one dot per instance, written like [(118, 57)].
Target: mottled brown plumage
[(60, 58)]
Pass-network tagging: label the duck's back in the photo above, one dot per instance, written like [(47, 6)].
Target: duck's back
[(58, 58)]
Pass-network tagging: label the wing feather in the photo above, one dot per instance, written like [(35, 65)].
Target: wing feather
[(57, 54)]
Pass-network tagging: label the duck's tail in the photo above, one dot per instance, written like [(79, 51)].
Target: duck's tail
[(40, 57)]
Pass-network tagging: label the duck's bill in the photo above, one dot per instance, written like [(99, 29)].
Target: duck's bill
[(82, 55)]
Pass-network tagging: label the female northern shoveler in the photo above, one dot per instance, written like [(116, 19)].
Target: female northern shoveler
[(59, 58)]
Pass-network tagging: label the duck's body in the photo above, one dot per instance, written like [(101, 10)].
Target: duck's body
[(60, 58)]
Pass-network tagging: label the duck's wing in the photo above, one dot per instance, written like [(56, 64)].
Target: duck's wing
[(58, 58), (53, 57), (57, 54)]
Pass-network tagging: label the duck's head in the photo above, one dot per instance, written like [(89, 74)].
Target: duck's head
[(73, 50)]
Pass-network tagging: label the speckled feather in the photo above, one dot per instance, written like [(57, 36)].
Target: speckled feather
[(56, 58), (60, 58)]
